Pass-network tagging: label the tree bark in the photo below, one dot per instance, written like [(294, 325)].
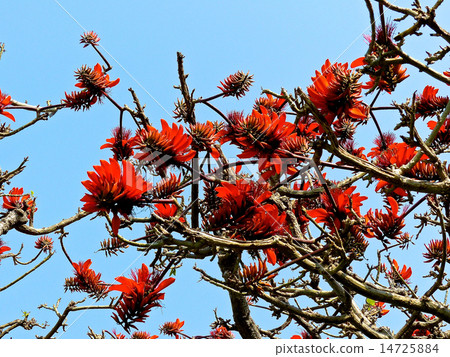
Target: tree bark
[(245, 325), (12, 219)]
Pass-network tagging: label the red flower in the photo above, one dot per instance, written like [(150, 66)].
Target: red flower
[(265, 135), (382, 76), (395, 273), (86, 280), (336, 92), (243, 212), (435, 252), (272, 104), (165, 147), (429, 104), (379, 149), (94, 80), (236, 84), (114, 189), (346, 202), (423, 332), (204, 137), (142, 335), (45, 244), (168, 187), (443, 136), (139, 295), (4, 101), (16, 199), (254, 273), (385, 225), (172, 328), (89, 38), (221, 333), (121, 144), (4, 249), (381, 306), (79, 100), (167, 210)]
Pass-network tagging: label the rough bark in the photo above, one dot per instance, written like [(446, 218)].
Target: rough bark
[(245, 325), (12, 219)]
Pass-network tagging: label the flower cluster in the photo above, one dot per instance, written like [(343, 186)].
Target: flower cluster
[(336, 92), (5, 100), (429, 104), (139, 295), (16, 199), (236, 84), (397, 275), (165, 147), (435, 252), (384, 76), (172, 328), (114, 189), (44, 243), (266, 135), (86, 280), (221, 333), (387, 225), (89, 38), (94, 84), (121, 144), (246, 215), (204, 136)]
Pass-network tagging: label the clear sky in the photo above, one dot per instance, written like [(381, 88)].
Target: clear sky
[(281, 42)]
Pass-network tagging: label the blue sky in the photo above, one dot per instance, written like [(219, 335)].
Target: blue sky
[(281, 43)]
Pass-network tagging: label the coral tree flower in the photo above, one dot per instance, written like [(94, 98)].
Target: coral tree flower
[(395, 273), (435, 252), (94, 80), (221, 333), (172, 328), (428, 103), (89, 38), (304, 335), (139, 294), (385, 225), (16, 199), (266, 135), (4, 101), (243, 212), (4, 249), (114, 189), (142, 335), (121, 144), (382, 76), (335, 92), (165, 147), (86, 280), (346, 202), (236, 84), (44, 243), (204, 137)]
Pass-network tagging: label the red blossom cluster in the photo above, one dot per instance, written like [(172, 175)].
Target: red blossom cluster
[(139, 295), (16, 199), (266, 135), (94, 84), (245, 213), (114, 189), (5, 100), (384, 76), (86, 280), (336, 92), (163, 148)]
